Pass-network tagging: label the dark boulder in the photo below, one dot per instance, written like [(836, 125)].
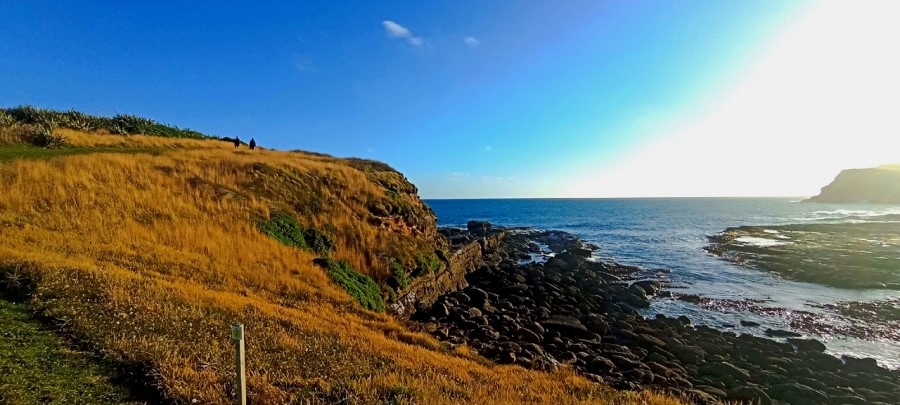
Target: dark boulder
[(798, 394), (778, 333), (725, 369), (750, 394), (478, 227), (564, 323), (807, 345)]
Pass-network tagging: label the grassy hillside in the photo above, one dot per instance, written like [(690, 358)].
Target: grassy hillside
[(146, 257)]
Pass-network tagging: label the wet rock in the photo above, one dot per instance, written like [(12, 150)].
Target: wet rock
[(635, 300), (749, 324), (855, 364), (650, 287), (807, 345), (580, 252), (779, 333), (478, 228)]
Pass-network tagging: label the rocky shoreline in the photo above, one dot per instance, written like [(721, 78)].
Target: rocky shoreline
[(547, 305)]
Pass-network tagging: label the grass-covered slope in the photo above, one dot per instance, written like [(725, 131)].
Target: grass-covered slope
[(146, 258)]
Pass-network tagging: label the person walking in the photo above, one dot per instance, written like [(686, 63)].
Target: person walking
[(252, 144), (237, 142)]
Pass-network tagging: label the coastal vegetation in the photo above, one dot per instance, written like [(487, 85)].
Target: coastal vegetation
[(142, 249)]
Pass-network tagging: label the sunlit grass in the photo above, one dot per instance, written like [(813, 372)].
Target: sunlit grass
[(150, 256)]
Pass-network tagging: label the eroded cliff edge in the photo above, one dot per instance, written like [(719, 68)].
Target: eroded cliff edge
[(878, 185)]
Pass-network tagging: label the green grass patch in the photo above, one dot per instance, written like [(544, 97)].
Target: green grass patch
[(359, 286), (37, 366), (21, 151), (400, 278), (285, 229)]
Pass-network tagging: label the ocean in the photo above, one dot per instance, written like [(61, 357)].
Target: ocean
[(666, 237)]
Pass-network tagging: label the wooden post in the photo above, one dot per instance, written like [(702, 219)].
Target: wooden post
[(237, 335)]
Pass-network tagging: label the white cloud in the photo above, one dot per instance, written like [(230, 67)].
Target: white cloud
[(489, 148), (395, 30), (472, 41)]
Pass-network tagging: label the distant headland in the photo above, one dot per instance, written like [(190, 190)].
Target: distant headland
[(878, 185)]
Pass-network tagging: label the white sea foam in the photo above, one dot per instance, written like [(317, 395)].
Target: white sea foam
[(761, 242)]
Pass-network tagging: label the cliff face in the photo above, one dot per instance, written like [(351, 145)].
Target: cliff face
[(880, 185), (425, 289)]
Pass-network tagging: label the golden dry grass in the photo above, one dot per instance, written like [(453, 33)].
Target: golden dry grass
[(149, 258)]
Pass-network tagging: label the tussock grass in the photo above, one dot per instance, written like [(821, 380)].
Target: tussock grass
[(149, 257)]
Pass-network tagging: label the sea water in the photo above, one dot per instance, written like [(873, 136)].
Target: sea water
[(670, 233)]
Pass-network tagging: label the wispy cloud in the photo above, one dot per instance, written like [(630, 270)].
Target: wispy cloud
[(472, 41), (395, 30), (304, 65), (458, 176), (489, 148)]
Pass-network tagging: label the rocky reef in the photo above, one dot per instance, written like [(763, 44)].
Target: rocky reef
[(549, 305), (879, 185)]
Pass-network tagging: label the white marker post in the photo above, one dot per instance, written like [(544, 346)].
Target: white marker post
[(237, 335)]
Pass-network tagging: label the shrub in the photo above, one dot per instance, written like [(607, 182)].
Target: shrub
[(318, 241), (7, 120), (359, 286), (401, 279), (122, 124), (442, 255), (427, 262), (42, 135), (285, 229)]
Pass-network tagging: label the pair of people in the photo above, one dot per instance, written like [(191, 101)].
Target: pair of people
[(237, 143)]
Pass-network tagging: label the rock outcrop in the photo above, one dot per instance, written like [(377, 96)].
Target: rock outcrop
[(467, 255), (879, 185)]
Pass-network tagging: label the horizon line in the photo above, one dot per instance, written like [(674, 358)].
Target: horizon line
[(614, 198)]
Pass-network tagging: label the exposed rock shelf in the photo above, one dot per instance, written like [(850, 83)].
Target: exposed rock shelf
[(570, 311)]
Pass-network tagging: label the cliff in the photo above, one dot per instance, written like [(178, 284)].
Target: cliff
[(880, 185), (144, 249)]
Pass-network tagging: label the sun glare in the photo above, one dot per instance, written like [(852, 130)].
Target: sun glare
[(823, 97)]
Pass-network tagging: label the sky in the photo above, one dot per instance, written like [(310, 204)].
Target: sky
[(499, 99)]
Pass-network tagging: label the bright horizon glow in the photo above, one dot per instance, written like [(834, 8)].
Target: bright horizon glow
[(825, 97)]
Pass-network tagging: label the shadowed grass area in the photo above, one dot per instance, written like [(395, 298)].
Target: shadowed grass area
[(37, 366)]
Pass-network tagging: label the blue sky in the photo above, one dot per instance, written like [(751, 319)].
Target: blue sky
[(468, 99)]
